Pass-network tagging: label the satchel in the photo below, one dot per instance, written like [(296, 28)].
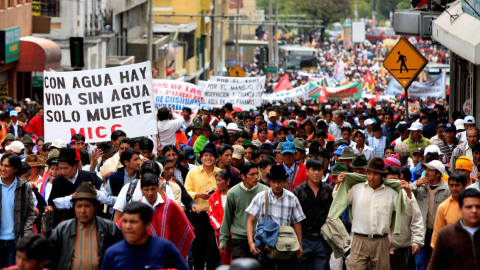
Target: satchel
[(287, 241)]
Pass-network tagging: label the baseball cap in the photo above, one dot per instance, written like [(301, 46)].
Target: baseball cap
[(449, 126), (437, 165), (416, 127), (378, 107), (272, 114), (16, 147), (419, 151), (288, 147), (459, 124), (238, 152), (206, 108), (340, 149), (368, 122), (432, 149), (190, 151), (13, 113), (462, 162), (57, 144), (469, 120)]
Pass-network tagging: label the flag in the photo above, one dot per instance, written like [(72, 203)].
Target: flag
[(323, 94), (283, 84), (373, 86), (369, 78), (375, 99)]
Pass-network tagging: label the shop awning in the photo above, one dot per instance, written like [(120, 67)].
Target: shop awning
[(458, 34), (38, 54)]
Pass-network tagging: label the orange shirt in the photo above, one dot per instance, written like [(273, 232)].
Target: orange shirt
[(448, 213)]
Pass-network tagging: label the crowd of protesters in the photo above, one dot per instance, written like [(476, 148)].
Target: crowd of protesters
[(355, 184)]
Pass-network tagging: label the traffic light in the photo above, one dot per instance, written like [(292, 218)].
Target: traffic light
[(76, 53)]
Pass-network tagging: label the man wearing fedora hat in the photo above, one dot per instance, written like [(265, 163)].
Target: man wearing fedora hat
[(284, 209), (315, 197), (359, 162), (65, 185), (81, 242), (199, 183), (346, 157), (373, 202), (104, 151)]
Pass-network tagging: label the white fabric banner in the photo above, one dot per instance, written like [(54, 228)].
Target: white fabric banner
[(177, 94), (292, 95), (220, 79), (95, 103), (434, 88), (243, 95)]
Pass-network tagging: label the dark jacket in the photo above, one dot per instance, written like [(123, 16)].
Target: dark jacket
[(183, 170), (430, 129), (116, 181), (456, 249), (388, 132), (27, 214), (61, 187), (62, 241), (21, 129)]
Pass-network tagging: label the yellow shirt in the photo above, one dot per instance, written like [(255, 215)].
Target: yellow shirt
[(447, 213), (198, 181)]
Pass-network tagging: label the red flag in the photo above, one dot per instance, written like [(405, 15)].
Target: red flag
[(283, 84), (369, 78), (375, 99), (323, 94)]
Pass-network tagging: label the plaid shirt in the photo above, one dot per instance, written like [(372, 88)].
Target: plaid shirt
[(178, 175), (286, 211), (85, 252)]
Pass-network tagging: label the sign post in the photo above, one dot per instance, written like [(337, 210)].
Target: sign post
[(404, 62)]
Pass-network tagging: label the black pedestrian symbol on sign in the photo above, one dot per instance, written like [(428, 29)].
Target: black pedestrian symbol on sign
[(402, 59)]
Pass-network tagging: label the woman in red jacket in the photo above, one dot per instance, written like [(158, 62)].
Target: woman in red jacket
[(217, 203)]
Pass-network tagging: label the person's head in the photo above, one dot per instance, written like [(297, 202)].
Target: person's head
[(389, 150), (388, 118), (417, 156), (416, 131), (25, 171), (206, 130), (223, 179), (10, 166), (315, 168), (472, 136), (359, 137), (225, 154), (168, 166), (216, 139), (338, 117), (277, 176), (124, 144), (406, 174), (241, 136), (456, 183), (346, 133), (149, 187), (79, 141), (376, 172), (258, 118), (377, 130), (288, 153), (171, 152), (328, 116), (262, 134), (249, 174), (237, 156), (186, 112), (116, 136), (209, 155), (32, 252), (130, 159), (449, 132), (136, 220), (40, 113), (248, 121), (265, 165), (434, 171), (85, 203), (469, 203), (163, 114), (464, 165), (469, 122), (146, 148), (150, 166), (393, 172)]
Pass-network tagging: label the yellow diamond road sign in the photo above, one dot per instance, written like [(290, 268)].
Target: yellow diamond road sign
[(404, 62), (237, 71)]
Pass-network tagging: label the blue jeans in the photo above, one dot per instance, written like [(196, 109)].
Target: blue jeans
[(7, 253), (421, 259), (316, 253)]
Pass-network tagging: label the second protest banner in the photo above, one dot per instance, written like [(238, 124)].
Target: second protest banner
[(349, 91), (177, 94), (243, 95), (95, 103)]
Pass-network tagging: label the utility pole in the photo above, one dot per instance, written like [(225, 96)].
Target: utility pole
[(213, 41), (270, 38), (275, 33), (150, 32), (237, 37), (220, 66)]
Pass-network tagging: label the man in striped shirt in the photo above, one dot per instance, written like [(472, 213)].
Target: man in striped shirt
[(449, 141)]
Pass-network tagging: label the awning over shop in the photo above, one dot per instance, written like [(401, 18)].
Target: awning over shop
[(159, 27), (458, 34), (38, 54)]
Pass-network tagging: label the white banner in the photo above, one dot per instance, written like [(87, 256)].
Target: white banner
[(434, 88), (243, 95), (220, 79), (95, 103), (177, 94), (287, 96)]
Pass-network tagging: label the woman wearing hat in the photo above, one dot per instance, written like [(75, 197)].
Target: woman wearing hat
[(45, 185), (309, 127), (38, 167), (197, 132)]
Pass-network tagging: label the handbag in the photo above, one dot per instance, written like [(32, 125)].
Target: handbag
[(287, 241)]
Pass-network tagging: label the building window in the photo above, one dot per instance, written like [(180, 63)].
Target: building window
[(49, 8)]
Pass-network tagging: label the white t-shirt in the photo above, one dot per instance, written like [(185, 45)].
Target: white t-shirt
[(168, 128), (224, 201), (136, 196)]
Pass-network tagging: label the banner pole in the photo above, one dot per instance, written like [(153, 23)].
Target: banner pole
[(406, 104)]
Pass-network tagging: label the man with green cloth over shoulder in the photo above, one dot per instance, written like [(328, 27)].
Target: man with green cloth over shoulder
[(373, 200)]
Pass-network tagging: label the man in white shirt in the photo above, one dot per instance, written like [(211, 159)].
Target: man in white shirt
[(373, 204), (338, 123), (166, 127)]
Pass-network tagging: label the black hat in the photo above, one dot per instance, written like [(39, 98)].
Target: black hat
[(85, 191), (377, 165), (302, 113), (277, 172), (107, 148), (278, 129), (266, 148), (67, 154), (314, 149), (211, 148)]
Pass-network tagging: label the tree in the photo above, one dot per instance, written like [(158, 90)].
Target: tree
[(329, 11)]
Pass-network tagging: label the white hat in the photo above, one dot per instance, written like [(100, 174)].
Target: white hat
[(368, 122), (416, 127), (436, 165), (432, 149), (328, 107), (233, 128), (222, 124), (57, 144), (469, 120), (16, 147), (459, 124), (378, 107)]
